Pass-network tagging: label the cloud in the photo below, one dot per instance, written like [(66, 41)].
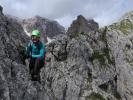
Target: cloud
[(103, 11)]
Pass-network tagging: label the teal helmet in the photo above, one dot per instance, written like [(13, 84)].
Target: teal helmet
[(36, 33)]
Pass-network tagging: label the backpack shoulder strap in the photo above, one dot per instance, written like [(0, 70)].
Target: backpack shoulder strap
[(41, 44)]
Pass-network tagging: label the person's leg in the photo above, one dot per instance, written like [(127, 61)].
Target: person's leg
[(39, 63), (31, 66)]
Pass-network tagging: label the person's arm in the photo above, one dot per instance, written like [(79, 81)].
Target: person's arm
[(41, 54), (28, 50)]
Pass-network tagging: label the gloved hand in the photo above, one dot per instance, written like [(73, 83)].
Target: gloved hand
[(28, 56), (39, 58)]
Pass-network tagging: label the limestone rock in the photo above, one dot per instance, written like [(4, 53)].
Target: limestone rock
[(81, 26), (47, 27), (87, 63)]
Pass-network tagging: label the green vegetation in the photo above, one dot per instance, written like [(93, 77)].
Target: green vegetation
[(78, 34), (100, 57), (125, 26), (82, 33), (89, 79), (95, 96), (110, 61), (117, 95), (105, 54), (103, 36)]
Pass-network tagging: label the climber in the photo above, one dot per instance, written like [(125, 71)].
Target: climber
[(36, 52)]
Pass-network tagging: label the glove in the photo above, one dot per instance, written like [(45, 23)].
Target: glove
[(38, 58), (28, 56)]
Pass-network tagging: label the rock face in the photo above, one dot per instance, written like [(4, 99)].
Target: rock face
[(1, 10), (87, 63), (86, 68), (95, 64), (120, 36), (15, 81), (81, 25), (125, 25), (47, 27)]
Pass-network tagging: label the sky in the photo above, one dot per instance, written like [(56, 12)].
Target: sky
[(105, 12)]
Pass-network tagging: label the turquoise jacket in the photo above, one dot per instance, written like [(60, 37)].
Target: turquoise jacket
[(35, 50)]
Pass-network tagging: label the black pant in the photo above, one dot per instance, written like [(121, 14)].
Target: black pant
[(35, 65)]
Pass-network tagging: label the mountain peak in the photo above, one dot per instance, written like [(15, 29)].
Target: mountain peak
[(47, 27), (1, 10), (128, 16), (80, 17), (81, 24), (125, 24)]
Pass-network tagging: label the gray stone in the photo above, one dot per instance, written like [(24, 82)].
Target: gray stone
[(81, 26), (47, 27), (87, 63)]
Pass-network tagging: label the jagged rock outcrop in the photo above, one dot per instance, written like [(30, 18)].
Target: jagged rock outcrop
[(86, 70), (1, 10), (15, 81), (95, 64), (125, 24), (87, 63), (120, 36), (47, 27), (81, 25)]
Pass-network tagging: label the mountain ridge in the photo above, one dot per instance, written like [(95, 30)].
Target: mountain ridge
[(87, 63)]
